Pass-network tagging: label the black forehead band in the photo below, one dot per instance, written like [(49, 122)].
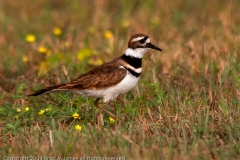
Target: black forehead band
[(145, 38)]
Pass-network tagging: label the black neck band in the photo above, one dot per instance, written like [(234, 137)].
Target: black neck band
[(133, 61), (132, 72)]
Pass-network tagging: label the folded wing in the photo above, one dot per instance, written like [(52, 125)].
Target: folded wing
[(98, 78)]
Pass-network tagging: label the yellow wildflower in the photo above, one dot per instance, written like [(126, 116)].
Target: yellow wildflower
[(83, 53), (43, 68), (66, 44), (41, 112), (75, 115), (155, 20), (108, 34), (95, 62), (18, 109), (16, 117), (57, 31), (49, 52), (78, 127), (30, 38), (42, 49), (111, 120), (91, 29), (125, 23), (48, 109), (24, 58), (99, 62), (26, 109), (80, 56)]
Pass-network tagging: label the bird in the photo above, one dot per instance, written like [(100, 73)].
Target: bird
[(111, 79)]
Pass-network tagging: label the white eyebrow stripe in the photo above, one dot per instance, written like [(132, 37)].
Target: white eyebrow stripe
[(137, 39), (148, 40)]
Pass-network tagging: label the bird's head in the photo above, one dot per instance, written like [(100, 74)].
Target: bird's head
[(138, 45)]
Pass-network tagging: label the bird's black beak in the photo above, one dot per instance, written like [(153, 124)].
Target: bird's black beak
[(150, 45)]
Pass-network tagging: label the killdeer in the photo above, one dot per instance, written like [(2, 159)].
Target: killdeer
[(110, 79)]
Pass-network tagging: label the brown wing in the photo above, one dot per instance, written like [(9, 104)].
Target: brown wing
[(106, 75), (97, 80)]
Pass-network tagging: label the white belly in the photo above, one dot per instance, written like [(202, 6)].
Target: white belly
[(110, 93)]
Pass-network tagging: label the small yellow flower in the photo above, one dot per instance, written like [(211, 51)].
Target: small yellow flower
[(18, 109), (125, 23), (91, 29), (16, 117), (48, 109), (78, 127), (84, 53), (26, 109), (66, 44), (75, 115), (80, 56), (99, 62), (49, 52), (108, 34), (44, 67), (95, 62), (111, 120), (24, 58), (41, 112), (57, 31), (42, 49), (155, 20), (30, 38)]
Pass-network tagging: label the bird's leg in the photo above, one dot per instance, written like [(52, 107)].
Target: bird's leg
[(121, 99), (96, 102), (123, 103), (100, 115)]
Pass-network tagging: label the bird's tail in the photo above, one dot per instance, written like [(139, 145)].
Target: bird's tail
[(49, 89)]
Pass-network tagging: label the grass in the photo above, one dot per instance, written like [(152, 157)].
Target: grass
[(186, 105)]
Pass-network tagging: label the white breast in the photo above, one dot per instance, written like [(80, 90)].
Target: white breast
[(110, 93)]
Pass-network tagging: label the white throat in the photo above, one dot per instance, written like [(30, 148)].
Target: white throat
[(137, 53)]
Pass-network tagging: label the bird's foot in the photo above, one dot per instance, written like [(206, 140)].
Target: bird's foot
[(100, 115)]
